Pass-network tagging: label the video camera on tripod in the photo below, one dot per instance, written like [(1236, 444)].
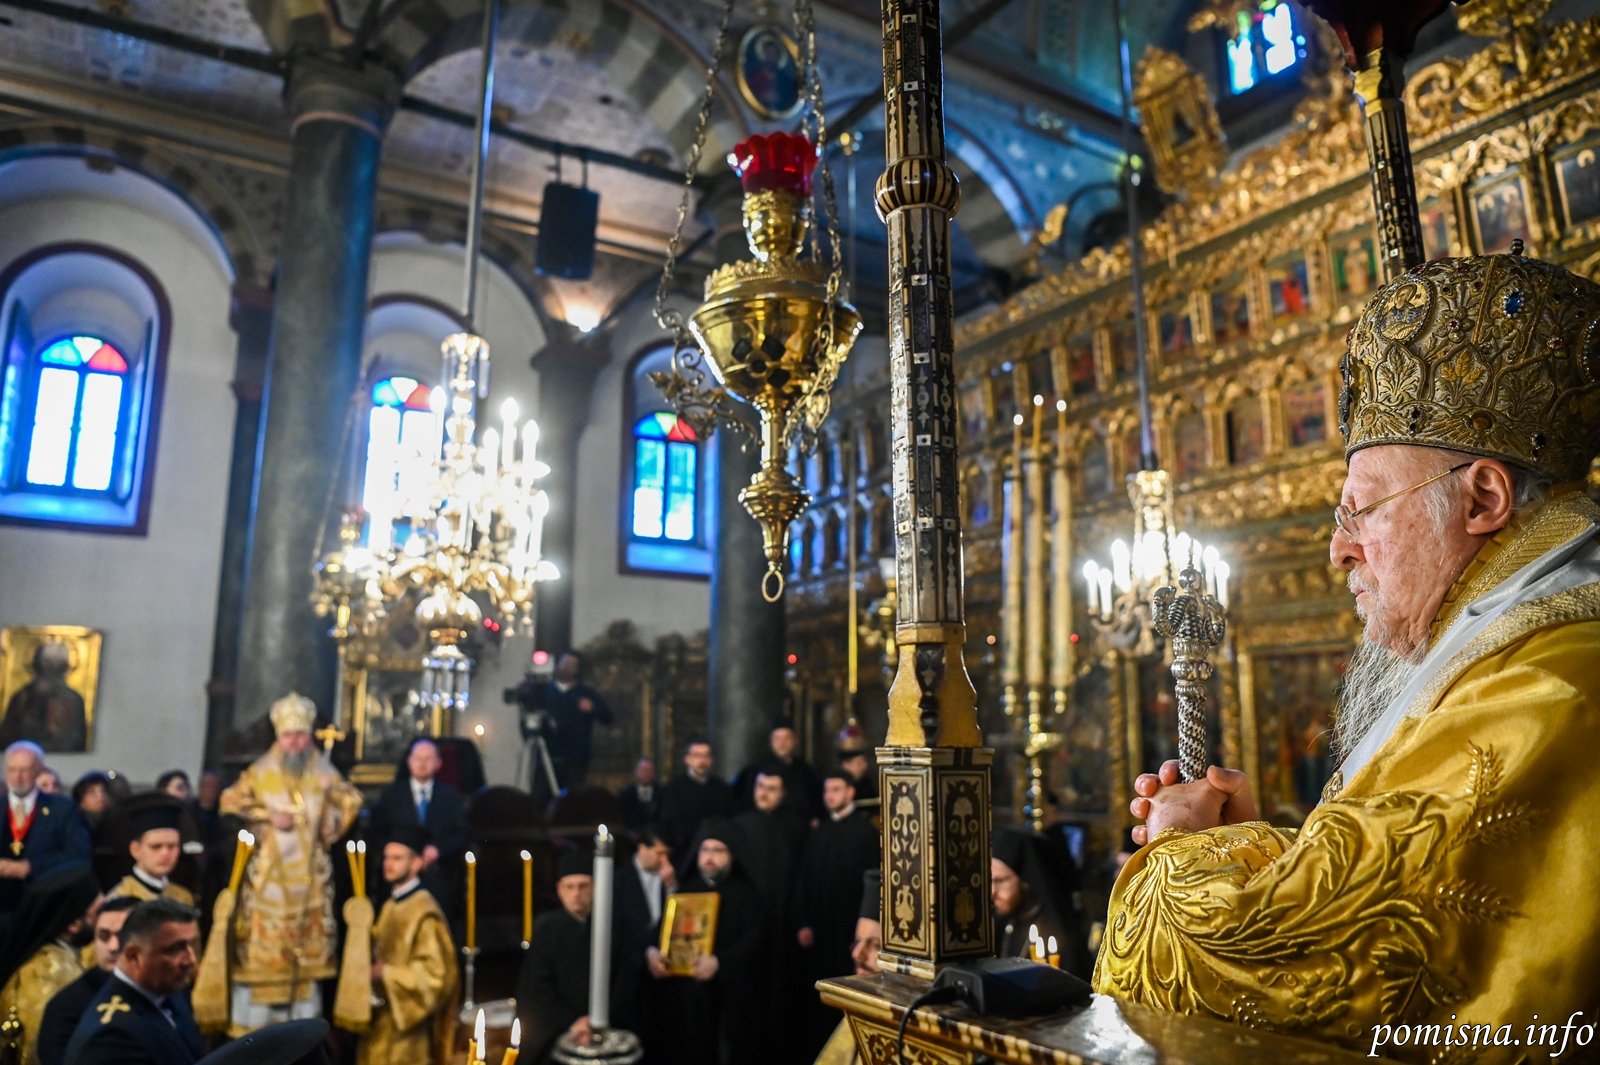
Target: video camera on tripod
[(538, 726)]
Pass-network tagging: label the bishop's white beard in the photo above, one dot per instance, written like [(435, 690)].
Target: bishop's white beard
[(1375, 676)]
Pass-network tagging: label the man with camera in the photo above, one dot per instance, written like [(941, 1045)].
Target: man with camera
[(562, 712)]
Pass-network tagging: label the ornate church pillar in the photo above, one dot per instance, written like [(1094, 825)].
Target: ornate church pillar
[(338, 116), (745, 689)]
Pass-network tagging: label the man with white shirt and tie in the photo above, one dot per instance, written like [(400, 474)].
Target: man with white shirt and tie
[(41, 831), (642, 887), (142, 1016), (418, 798)]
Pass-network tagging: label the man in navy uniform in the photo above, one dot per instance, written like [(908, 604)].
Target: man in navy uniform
[(142, 1016), (40, 832)]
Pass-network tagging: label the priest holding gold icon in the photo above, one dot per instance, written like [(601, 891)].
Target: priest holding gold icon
[(296, 805), (1442, 891)]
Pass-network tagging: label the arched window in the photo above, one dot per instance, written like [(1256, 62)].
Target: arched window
[(1267, 42), (401, 427), (665, 481), (665, 478), (79, 390)]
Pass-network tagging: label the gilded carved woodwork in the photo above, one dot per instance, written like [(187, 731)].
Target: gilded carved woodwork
[(1180, 122)]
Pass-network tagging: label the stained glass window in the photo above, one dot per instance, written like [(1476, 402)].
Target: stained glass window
[(401, 426), (77, 415), (1267, 42), (665, 478)]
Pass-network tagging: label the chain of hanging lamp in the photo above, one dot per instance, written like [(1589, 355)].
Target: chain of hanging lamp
[(773, 332)]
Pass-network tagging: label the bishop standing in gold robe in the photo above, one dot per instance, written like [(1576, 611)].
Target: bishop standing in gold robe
[(296, 805), (414, 972), (1439, 904)]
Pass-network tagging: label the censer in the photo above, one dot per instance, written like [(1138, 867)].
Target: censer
[(774, 329)]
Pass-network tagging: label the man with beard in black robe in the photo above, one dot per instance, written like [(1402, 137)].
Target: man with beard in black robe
[(689, 798), (715, 1016), (839, 850), (1033, 882), (553, 989), (774, 840)]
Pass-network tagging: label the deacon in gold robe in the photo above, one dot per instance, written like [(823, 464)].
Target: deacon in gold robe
[(414, 973), (156, 847), (1439, 904), (297, 805), (38, 958)]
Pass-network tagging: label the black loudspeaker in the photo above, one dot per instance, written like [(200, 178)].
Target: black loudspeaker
[(566, 231)]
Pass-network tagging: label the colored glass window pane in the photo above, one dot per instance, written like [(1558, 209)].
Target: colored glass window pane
[(1277, 33), (97, 432), (107, 359), (680, 491), (62, 353), (649, 489), (53, 415)]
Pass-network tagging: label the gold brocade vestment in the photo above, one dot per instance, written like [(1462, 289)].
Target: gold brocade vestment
[(132, 887), (1449, 883), (284, 930), (31, 987), (412, 940)]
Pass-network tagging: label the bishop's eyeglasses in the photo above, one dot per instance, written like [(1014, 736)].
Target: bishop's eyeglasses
[(1348, 521)]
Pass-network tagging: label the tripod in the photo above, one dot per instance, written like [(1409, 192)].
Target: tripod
[(535, 755)]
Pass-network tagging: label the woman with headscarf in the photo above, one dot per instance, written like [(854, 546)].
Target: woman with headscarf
[(38, 959), (1034, 884)]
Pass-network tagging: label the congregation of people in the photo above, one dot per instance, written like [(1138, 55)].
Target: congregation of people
[(138, 928)]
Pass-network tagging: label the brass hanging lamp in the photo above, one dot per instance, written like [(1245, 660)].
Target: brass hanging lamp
[(774, 328)]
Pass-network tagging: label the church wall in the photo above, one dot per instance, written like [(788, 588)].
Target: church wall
[(150, 711), (655, 605)]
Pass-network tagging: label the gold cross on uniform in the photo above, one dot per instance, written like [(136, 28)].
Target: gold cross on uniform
[(329, 735), (108, 1010)]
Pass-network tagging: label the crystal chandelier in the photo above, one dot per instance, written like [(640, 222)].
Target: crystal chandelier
[(468, 515), (774, 330)]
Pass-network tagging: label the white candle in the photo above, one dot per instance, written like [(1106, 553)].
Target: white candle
[(530, 444), (1091, 577), (1222, 584), (508, 435), (600, 936), (489, 453), (1105, 593), (539, 507), (1121, 565)]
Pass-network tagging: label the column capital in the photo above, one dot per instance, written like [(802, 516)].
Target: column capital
[(320, 88)]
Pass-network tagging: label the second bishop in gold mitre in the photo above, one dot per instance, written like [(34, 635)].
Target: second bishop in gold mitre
[(1439, 904)]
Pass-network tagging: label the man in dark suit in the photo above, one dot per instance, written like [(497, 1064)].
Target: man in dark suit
[(142, 1016), (574, 707), (66, 1009), (418, 799), (642, 886), (41, 831), (641, 800), (690, 797)]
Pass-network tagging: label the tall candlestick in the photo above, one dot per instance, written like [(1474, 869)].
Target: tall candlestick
[(479, 1045), (1061, 563), (241, 858), (1034, 564), (472, 901), (527, 898), (1011, 563), (600, 936), (355, 870)]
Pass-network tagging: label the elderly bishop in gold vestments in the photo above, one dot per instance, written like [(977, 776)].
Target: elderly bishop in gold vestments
[(1439, 905), (414, 973), (297, 805)]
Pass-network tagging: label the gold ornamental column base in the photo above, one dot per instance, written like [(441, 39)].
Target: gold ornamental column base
[(936, 824)]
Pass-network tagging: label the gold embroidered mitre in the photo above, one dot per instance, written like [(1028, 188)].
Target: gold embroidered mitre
[(293, 713), (1494, 355)]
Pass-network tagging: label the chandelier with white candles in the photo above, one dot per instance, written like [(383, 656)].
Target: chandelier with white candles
[(467, 515)]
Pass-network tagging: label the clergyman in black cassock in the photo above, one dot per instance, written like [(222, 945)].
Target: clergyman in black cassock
[(716, 1017), (774, 838), (839, 849), (691, 797)]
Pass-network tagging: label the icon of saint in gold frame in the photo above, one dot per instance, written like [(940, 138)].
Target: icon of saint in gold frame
[(688, 930)]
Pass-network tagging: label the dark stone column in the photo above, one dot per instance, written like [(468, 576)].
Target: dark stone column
[(251, 318), (567, 370), (338, 119), (745, 688)]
